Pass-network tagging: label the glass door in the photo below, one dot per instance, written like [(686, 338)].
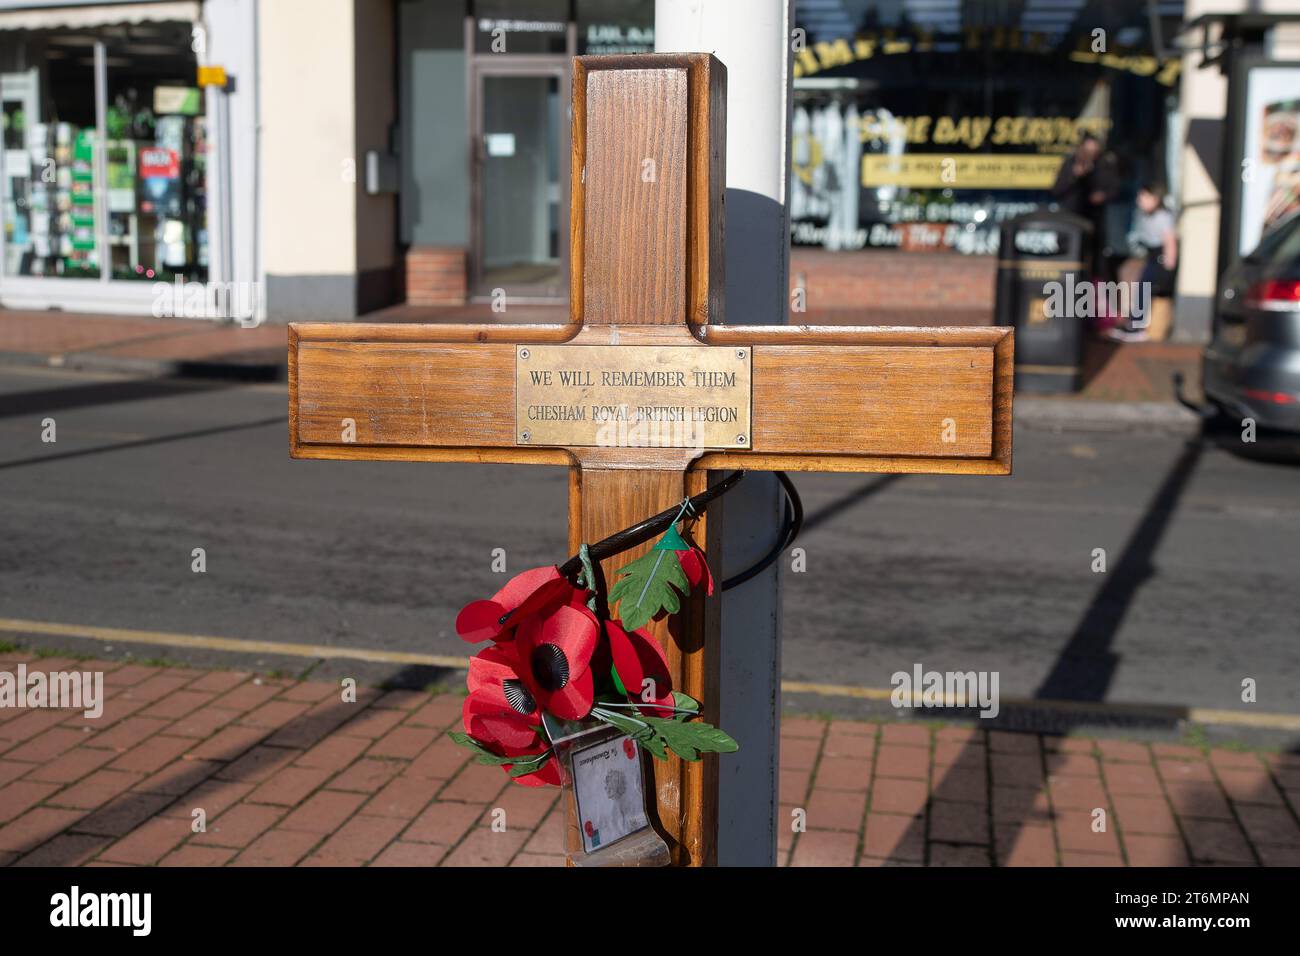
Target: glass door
[(521, 161)]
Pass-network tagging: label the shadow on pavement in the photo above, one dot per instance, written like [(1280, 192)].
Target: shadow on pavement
[(146, 442), (1045, 804), (824, 514), (100, 393)]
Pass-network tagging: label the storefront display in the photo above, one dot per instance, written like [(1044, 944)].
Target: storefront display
[(130, 198), (926, 140)]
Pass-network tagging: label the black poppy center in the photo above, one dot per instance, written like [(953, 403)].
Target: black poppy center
[(517, 697), (550, 667)]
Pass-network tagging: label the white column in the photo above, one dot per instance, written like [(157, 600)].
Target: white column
[(1202, 98), (751, 38)]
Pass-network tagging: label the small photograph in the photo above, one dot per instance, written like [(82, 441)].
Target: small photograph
[(610, 793)]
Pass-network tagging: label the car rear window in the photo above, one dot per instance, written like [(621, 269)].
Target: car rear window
[(1280, 244)]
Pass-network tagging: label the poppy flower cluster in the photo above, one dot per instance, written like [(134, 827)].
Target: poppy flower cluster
[(549, 652)]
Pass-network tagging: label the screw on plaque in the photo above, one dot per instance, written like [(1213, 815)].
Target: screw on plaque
[(740, 353), (740, 439), (525, 436), (523, 353)]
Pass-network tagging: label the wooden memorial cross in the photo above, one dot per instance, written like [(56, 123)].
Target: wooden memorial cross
[(645, 339)]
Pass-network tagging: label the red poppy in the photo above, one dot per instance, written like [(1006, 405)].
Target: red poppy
[(554, 654), (528, 593), (629, 748), (642, 668), (696, 566), (495, 669), (501, 715)]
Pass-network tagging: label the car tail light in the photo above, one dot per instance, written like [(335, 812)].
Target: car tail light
[(1277, 398), (1274, 295)]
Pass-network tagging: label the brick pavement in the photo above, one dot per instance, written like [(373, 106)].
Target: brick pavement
[(284, 773)]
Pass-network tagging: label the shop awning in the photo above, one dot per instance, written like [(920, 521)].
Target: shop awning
[(97, 15)]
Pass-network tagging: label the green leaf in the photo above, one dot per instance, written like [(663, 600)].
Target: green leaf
[(672, 541), (531, 764), (648, 585), (685, 702), (655, 746), (659, 735), (618, 681), (518, 765), (629, 725), (481, 754), (688, 740)]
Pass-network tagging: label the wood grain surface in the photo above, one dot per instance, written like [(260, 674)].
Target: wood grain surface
[(634, 182), (839, 399), (646, 268)]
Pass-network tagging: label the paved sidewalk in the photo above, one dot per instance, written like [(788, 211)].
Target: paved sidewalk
[(287, 774), (140, 345)]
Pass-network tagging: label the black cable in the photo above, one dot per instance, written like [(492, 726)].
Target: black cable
[(790, 527), (643, 531)]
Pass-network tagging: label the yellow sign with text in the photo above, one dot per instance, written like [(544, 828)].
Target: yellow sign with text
[(933, 171)]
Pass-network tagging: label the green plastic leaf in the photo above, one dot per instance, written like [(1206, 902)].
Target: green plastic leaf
[(532, 764), (685, 702), (481, 754), (672, 541), (618, 681), (518, 765), (689, 740), (655, 746), (659, 735), (626, 723), (648, 585)]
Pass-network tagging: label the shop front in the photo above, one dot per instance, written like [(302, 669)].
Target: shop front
[(495, 227), (116, 162), (919, 128)]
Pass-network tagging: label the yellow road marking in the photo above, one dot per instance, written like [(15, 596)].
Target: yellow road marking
[(237, 645), (1200, 715)]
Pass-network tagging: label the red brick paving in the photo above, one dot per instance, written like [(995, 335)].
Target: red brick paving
[(287, 773), (69, 334)]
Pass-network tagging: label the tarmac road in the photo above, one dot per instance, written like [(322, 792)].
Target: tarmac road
[(954, 573)]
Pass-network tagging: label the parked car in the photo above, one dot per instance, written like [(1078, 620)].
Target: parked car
[(1252, 365)]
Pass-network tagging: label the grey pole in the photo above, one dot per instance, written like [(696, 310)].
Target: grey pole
[(752, 39)]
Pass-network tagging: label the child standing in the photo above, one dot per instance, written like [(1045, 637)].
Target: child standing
[(1154, 238)]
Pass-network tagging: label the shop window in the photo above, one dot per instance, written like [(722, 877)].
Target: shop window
[(925, 130), (47, 85), (155, 156), (127, 200)]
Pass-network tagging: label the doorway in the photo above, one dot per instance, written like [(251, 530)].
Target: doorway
[(520, 223)]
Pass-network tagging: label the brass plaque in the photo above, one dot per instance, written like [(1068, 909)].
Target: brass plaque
[(632, 396)]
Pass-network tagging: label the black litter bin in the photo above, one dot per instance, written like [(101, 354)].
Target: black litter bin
[(1042, 262)]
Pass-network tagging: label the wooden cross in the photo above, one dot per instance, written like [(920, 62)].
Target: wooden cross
[(646, 285)]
